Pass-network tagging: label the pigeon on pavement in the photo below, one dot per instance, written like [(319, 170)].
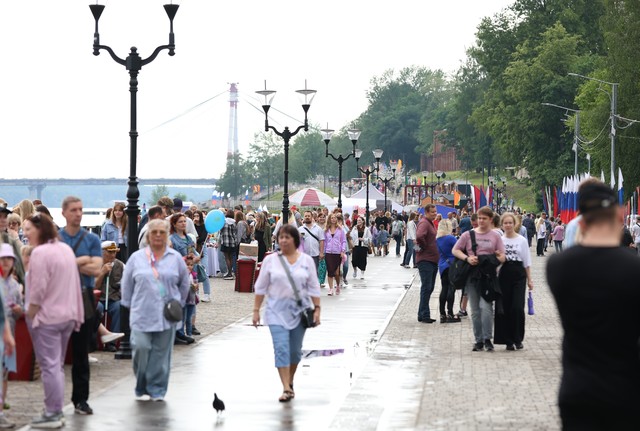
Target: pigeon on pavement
[(218, 404)]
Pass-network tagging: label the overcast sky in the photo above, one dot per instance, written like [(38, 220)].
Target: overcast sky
[(65, 112)]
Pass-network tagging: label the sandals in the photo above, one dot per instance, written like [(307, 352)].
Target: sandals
[(286, 396)]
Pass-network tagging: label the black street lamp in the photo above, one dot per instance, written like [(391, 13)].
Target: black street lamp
[(386, 179), (133, 63), (306, 98), (440, 174), (377, 154), (498, 193), (354, 134)]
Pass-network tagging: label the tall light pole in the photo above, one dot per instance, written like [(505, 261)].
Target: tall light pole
[(377, 154), (386, 179), (133, 63), (306, 99), (440, 174), (614, 106), (576, 133), (354, 134)]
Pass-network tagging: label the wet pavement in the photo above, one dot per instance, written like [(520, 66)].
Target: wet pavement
[(395, 373)]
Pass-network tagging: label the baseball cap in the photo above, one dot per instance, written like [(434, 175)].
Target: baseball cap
[(4, 208), (177, 204)]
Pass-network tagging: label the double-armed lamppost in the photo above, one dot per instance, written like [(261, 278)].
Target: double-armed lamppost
[(354, 134), (306, 96), (386, 179), (377, 154), (498, 192), (133, 63)]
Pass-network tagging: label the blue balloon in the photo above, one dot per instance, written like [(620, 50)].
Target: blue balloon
[(214, 221)]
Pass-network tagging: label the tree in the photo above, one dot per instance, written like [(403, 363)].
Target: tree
[(182, 196), (158, 192)]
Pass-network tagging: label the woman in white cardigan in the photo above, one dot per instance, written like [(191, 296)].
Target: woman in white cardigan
[(361, 240)]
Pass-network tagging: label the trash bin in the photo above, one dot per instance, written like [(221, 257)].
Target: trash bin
[(245, 275), (27, 367)]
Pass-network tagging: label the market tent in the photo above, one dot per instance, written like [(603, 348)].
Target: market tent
[(311, 197), (374, 193)]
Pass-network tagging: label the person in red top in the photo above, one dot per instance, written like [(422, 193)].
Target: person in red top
[(427, 258)]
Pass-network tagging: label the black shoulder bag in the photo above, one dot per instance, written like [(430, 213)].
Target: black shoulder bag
[(459, 269), (307, 314)]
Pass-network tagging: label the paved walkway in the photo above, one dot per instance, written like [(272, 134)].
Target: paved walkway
[(412, 376)]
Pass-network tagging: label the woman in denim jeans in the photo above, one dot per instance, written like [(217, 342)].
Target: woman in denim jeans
[(411, 238), (282, 313)]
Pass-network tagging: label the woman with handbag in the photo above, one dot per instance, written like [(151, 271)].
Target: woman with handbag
[(514, 277), (484, 262), (155, 285), (288, 280), (361, 239)]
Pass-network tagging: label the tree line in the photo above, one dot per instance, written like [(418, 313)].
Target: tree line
[(492, 106)]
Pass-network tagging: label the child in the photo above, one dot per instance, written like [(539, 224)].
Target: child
[(374, 236), (190, 303), (13, 309), (383, 237)]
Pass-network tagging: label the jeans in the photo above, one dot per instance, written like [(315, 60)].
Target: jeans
[(398, 240), (481, 314), (50, 346), (287, 344), (114, 314), (409, 253), (558, 245), (345, 266), (188, 311), (428, 272), (447, 294), (152, 361)]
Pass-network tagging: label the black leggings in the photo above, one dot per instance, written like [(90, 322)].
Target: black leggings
[(447, 294)]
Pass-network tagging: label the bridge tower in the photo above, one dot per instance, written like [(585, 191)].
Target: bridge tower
[(232, 146)]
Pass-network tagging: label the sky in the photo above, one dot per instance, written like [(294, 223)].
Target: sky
[(65, 112)]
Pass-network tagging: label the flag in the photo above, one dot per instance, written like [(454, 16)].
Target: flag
[(545, 201), (214, 198), (483, 198), (456, 198), (556, 204), (476, 198), (620, 188)]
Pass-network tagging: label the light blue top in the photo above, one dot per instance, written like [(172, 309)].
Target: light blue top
[(273, 282), (110, 232), (523, 232), (571, 232), (141, 292)]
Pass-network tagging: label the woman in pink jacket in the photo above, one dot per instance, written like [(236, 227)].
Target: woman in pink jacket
[(54, 309)]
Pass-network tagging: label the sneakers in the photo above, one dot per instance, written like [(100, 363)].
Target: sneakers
[(478, 347), (92, 359), (228, 276), (45, 421), (195, 331), (355, 273), (5, 423), (111, 337), (206, 298), (519, 346), (82, 408), (344, 282), (338, 288), (330, 292), (143, 397), (157, 399), (510, 347), (462, 313), (488, 345)]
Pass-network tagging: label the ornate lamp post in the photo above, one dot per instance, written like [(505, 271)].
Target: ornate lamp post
[(425, 174), (377, 154), (440, 174), (133, 63), (386, 179), (354, 134), (306, 99)]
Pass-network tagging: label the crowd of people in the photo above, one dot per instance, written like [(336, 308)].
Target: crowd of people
[(177, 259)]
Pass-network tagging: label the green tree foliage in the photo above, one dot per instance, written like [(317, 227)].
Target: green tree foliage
[(621, 29), (158, 192)]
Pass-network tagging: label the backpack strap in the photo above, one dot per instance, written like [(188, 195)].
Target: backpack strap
[(474, 244)]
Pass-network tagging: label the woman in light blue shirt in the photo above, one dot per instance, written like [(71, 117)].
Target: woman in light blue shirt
[(152, 277), (283, 310), (115, 229)]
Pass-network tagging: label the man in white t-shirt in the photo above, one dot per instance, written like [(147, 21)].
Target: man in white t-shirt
[(635, 231), (312, 238)]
